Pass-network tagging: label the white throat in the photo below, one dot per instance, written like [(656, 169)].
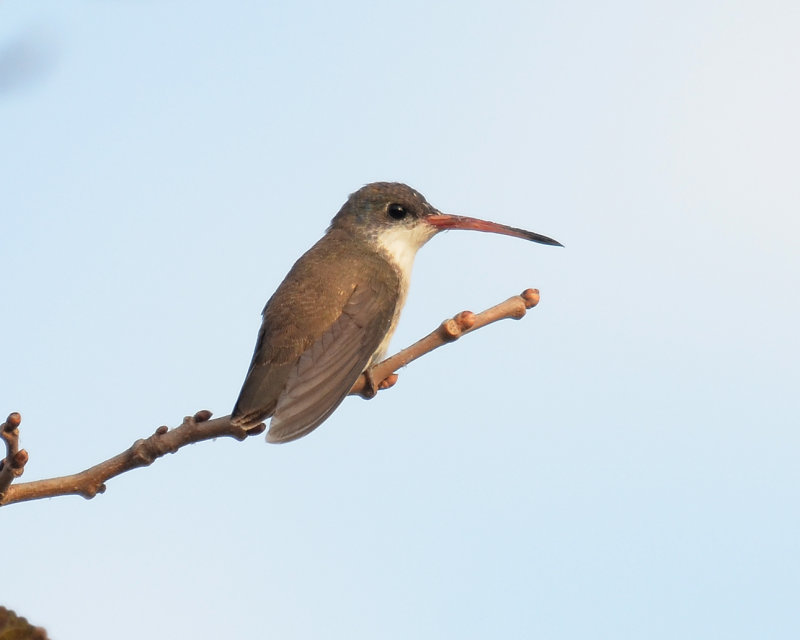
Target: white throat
[(400, 246)]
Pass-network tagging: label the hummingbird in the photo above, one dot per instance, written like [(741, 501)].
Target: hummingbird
[(333, 315)]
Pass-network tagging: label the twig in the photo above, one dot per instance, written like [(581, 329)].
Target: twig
[(12, 466), (90, 482), (449, 331), (141, 453)]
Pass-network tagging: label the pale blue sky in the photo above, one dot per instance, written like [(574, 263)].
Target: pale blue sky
[(623, 463)]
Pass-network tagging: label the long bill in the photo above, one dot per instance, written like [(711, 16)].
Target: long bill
[(443, 221)]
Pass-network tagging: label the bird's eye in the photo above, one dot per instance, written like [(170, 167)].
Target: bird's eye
[(396, 211)]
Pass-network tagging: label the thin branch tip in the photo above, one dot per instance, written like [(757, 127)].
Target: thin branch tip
[(13, 464), (12, 422), (20, 459), (448, 331), (531, 297)]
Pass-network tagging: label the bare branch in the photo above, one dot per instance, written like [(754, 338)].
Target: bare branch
[(449, 331), (199, 427), (141, 453)]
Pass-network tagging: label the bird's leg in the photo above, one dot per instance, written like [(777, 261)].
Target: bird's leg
[(371, 388)]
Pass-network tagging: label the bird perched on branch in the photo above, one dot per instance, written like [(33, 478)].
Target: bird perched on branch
[(333, 315)]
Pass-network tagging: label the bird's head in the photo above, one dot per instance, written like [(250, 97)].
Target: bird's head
[(396, 218)]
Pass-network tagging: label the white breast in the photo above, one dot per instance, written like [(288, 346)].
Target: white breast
[(400, 245)]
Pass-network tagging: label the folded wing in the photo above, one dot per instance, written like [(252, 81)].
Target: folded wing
[(325, 372)]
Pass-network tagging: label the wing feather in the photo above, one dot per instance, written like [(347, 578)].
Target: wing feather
[(325, 372), (319, 330)]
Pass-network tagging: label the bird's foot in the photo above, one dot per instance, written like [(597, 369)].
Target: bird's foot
[(371, 388)]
